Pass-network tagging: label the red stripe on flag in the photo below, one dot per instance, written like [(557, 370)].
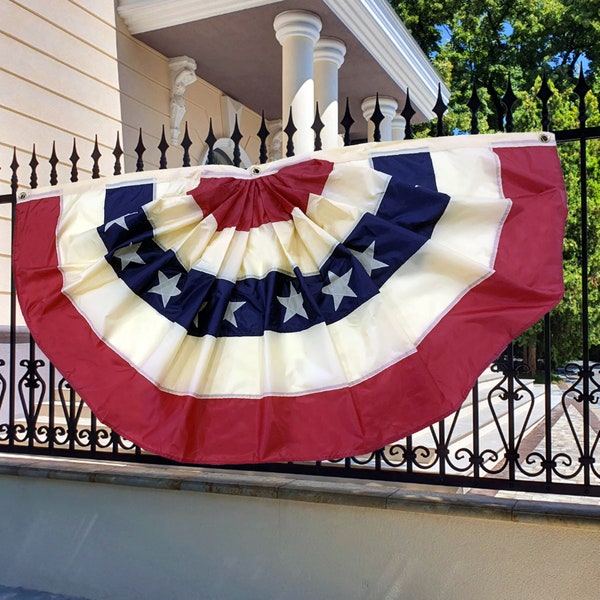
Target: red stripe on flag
[(248, 203)]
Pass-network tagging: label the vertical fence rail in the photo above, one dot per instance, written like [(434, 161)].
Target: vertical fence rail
[(586, 459), (12, 389), (56, 421)]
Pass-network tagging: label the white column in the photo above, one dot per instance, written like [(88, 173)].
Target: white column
[(388, 107), (297, 31), (329, 56), (398, 127)]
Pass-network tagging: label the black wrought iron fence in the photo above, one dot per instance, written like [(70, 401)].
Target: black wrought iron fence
[(511, 432)]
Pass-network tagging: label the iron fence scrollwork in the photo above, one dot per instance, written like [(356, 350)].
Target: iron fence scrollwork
[(508, 434)]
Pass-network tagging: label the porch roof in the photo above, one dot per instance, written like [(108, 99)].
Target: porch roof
[(234, 46)]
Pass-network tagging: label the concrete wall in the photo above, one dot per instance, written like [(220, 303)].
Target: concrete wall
[(119, 542)]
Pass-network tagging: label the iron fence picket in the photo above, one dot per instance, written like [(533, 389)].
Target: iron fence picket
[(437, 456)]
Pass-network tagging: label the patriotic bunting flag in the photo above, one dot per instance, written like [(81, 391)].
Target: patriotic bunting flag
[(310, 308)]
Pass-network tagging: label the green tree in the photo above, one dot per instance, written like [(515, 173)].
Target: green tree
[(483, 45)]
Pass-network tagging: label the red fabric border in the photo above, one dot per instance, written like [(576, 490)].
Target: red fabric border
[(412, 394)]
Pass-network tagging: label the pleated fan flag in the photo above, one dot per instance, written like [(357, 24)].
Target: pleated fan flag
[(307, 309)]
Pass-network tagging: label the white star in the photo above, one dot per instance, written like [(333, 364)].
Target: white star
[(338, 287), (129, 254), (167, 287), (230, 312), (197, 317), (120, 221), (294, 304), (367, 259)]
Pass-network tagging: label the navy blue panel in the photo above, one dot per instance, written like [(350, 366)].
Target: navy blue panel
[(126, 199), (414, 169), (125, 205), (411, 199), (416, 209), (394, 245)]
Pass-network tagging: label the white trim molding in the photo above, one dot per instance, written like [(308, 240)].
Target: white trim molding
[(331, 50), (396, 50), (141, 16), (297, 23)]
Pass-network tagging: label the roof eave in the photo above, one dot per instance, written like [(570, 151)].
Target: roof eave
[(373, 23), (397, 51)]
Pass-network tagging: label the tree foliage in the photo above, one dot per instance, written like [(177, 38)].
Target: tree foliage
[(482, 36), (484, 45)]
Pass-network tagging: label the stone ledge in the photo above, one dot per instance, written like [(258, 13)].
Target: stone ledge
[(371, 494), (21, 334)]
